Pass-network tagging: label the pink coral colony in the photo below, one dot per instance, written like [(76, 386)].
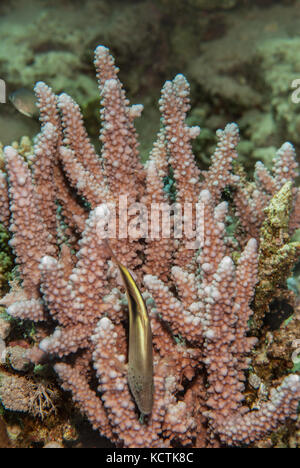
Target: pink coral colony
[(198, 299)]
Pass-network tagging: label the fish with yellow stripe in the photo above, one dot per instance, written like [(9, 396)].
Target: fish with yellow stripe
[(140, 350)]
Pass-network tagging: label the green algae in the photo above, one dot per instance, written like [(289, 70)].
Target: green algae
[(277, 255), (6, 259)]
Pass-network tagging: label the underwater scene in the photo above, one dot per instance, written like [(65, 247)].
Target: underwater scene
[(150, 225)]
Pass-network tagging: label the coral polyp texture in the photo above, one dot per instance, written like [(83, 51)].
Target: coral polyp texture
[(197, 286)]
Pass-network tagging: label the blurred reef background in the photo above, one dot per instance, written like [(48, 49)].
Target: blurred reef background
[(240, 58)]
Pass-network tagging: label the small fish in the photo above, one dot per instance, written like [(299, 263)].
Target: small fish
[(24, 100), (140, 354)]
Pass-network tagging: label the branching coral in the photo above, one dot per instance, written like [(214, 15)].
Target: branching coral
[(197, 297), (18, 393), (251, 198)]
